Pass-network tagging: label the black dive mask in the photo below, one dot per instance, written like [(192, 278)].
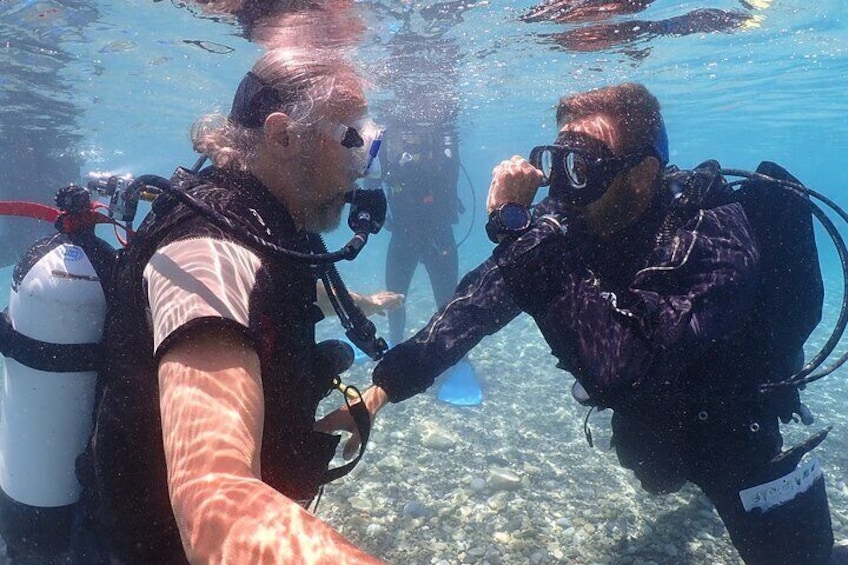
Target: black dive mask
[(579, 168)]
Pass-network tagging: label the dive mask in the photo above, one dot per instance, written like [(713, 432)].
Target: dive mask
[(364, 138), (579, 168)]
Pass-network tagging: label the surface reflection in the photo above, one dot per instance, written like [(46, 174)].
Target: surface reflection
[(600, 34), (38, 118)]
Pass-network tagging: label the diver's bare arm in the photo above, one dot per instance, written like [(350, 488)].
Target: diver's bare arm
[(212, 409)]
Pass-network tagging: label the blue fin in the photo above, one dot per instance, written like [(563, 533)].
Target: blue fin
[(359, 355), (459, 385)]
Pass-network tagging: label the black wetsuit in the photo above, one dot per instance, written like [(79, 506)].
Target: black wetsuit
[(125, 475), (663, 335), (424, 207)]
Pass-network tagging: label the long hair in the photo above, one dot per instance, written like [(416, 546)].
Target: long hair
[(308, 82)]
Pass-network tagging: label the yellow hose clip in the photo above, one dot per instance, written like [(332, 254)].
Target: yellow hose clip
[(349, 391)]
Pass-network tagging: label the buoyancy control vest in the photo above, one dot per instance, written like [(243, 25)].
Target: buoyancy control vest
[(722, 415), (789, 295), (128, 456), (422, 181)]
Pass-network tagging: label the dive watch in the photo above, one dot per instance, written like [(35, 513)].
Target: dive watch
[(507, 221)]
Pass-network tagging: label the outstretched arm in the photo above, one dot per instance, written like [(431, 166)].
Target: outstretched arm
[(212, 410)]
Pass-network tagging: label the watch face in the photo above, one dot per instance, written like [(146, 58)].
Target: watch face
[(514, 216)]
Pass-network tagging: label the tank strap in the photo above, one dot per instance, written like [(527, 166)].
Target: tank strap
[(362, 419), (48, 357)]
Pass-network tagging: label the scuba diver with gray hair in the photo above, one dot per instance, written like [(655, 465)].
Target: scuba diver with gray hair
[(203, 447)]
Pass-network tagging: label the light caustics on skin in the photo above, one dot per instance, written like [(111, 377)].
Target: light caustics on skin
[(212, 420)]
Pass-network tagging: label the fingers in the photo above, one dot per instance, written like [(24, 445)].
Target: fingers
[(386, 300), (337, 421), (341, 421), (382, 302), (351, 446), (513, 180)]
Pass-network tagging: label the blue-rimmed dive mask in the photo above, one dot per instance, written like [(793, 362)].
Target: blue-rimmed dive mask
[(364, 138), (579, 168)]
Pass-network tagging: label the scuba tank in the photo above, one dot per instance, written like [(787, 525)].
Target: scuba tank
[(49, 337)]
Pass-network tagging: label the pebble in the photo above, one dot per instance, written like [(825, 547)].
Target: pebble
[(503, 537), (438, 440), (374, 529), (531, 469), (361, 503), (503, 479), (497, 502), (477, 484), (705, 536), (415, 510), (390, 463)]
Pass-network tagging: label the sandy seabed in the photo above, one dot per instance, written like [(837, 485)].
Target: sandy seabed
[(514, 481)]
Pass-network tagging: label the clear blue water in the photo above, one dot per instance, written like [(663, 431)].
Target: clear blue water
[(118, 83)]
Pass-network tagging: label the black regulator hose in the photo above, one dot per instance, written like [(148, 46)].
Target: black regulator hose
[(347, 253), (473, 206), (841, 250), (358, 328)]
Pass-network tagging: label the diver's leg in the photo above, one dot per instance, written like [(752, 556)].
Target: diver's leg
[(786, 530), (441, 260), (401, 260)]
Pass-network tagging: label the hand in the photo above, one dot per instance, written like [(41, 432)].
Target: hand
[(516, 181), (341, 421), (379, 302)]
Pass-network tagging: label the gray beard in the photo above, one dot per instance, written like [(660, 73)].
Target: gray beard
[(325, 218)]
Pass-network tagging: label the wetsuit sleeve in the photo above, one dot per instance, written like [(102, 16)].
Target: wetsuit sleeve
[(199, 281), (692, 292), (481, 306)]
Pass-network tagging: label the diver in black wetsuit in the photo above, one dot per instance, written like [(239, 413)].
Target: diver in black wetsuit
[(420, 180), (652, 287)]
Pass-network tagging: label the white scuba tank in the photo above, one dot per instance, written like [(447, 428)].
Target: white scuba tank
[(46, 417)]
